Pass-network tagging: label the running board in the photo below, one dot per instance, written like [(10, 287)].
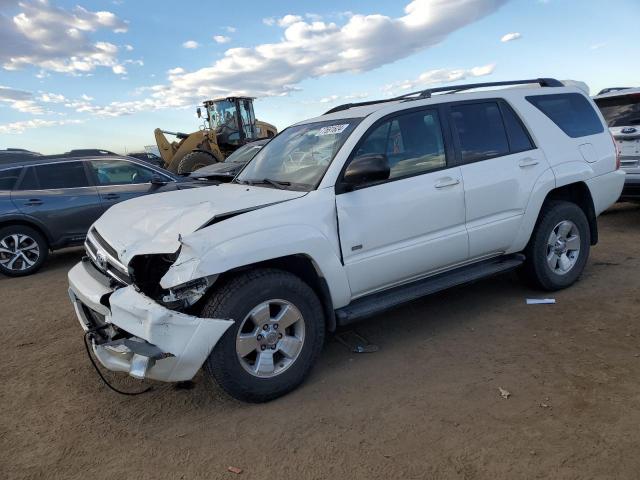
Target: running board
[(381, 301)]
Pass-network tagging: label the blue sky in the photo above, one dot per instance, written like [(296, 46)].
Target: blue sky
[(88, 74)]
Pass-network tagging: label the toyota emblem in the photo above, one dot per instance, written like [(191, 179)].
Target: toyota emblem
[(101, 260)]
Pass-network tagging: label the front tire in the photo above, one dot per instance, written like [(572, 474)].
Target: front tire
[(23, 250), (559, 247), (276, 338)]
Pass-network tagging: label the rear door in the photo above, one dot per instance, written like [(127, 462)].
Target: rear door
[(59, 196), (413, 223), (500, 166), (119, 180)]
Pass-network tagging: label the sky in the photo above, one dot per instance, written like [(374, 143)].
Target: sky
[(104, 74)]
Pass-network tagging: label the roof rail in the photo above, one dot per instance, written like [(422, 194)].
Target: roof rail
[(422, 94)]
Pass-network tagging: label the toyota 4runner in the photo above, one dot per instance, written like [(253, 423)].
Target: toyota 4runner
[(340, 217)]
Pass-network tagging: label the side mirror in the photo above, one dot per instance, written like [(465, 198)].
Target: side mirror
[(199, 112), (366, 169), (158, 180)]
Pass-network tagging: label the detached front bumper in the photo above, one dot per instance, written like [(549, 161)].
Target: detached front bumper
[(149, 340)]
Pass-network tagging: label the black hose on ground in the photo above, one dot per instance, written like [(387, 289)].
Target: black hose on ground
[(105, 381)]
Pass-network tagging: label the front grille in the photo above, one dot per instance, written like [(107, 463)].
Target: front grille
[(103, 243), (105, 258)]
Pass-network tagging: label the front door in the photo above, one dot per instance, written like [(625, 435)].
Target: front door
[(120, 180), (412, 224)]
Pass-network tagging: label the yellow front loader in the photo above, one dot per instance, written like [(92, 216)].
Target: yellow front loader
[(229, 124)]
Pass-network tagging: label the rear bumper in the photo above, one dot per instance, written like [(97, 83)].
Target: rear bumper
[(631, 189), (137, 335)]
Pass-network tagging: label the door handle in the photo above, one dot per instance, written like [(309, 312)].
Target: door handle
[(447, 182), (528, 162), (111, 196), (32, 202)]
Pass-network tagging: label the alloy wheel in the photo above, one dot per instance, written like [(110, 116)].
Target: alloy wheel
[(563, 247), (18, 252), (270, 338)]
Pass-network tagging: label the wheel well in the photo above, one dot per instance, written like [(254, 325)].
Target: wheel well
[(25, 223), (303, 267), (579, 194)]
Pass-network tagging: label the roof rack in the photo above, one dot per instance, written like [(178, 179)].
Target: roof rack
[(422, 94)]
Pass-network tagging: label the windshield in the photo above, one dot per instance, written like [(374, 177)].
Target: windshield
[(620, 111), (243, 154), (299, 156), (221, 113)]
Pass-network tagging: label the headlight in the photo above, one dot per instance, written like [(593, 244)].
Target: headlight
[(188, 293)]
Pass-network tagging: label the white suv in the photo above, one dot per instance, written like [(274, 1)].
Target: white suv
[(342, 216), (621, 109)]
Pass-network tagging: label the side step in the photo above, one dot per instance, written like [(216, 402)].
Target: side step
[(380, 301)]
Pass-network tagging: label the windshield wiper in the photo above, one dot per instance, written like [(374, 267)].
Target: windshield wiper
[(267, 181)]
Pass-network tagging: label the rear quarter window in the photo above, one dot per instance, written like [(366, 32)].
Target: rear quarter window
[(572, 112), (8, 178)]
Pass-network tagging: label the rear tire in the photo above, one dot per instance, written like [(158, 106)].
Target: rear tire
[(23, 250), (194, 160), (559, 247), (257, 360)]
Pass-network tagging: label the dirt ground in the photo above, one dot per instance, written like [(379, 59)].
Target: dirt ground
[(427, 405)]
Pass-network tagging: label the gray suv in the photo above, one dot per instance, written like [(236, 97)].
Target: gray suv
[(49, 203)]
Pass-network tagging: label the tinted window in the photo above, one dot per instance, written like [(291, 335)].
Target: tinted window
[(569, 111), (519, 140), (62, 175), (412, 143), (8, 178), (29, 180), (620, 111), (480, 130), (119, 172)]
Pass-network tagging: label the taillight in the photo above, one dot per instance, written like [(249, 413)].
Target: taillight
[(615, 145)]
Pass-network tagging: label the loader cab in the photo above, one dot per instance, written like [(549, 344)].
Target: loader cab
[(232, 119)]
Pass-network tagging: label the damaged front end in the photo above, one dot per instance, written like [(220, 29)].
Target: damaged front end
[(137, 326)]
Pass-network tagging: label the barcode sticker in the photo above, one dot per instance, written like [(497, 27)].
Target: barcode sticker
[(332, 129)]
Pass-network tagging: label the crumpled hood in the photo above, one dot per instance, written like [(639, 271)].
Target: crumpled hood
[(155, 223)]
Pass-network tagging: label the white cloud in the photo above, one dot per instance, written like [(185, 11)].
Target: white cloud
[(56, 39), (21, 127), (20, 100), (190, 44), (221, 39), (52, 98), (128, 48), (597, 46), (509, 37), (119, 69), (315, 49), (442, 75), (230, 29)]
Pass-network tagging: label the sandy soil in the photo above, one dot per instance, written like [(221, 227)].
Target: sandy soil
[(427, 405)]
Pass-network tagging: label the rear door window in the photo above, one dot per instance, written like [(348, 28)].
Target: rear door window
[(29, 180), (62, 175), (572, 112), (620, 111), (481, 131), (8, 178), (519, 140)]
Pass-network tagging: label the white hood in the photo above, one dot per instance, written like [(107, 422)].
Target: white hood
[(155, 223)]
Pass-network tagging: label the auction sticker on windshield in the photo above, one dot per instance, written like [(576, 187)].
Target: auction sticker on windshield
[(332, 129)]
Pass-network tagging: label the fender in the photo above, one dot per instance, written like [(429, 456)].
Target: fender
[(28, 220), (556, 177), (242, 241)]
